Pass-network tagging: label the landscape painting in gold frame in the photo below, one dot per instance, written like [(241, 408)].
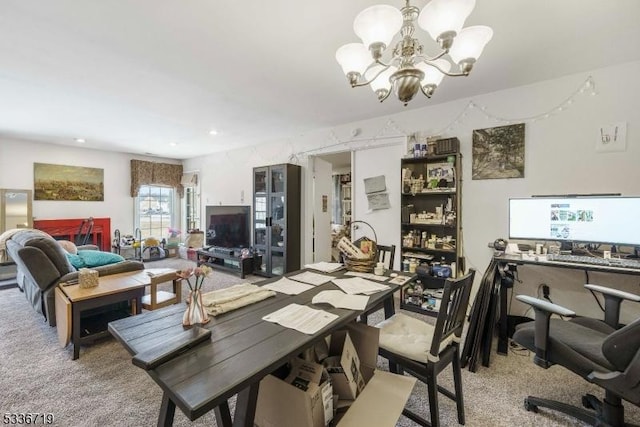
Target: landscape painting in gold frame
[(62, 182)]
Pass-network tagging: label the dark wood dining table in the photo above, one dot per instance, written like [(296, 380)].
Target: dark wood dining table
[(242, 349)]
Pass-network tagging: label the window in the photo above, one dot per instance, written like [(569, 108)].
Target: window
[(155, 210), (192, 208)]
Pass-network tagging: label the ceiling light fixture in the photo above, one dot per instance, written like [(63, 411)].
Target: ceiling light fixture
[(408, 70), (80, 140), (213, 132)]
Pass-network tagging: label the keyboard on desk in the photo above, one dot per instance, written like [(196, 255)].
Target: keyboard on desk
[(583, 259)]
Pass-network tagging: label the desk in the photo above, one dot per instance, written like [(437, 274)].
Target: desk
[(491, 302), (243, 349)]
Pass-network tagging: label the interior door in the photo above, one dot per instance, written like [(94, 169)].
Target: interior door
[(322, 186)]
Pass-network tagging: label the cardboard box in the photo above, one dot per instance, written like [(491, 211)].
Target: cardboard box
[(380, 396), (296, 401), (343, 365)]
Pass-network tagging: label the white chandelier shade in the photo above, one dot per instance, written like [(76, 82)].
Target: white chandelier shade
[(353, 57), (404, 67), (470, 43), (381, 82), (377, 24), (441, 16), (432, 75)]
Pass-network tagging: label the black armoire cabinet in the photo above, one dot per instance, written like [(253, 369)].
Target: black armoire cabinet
[(276, 218)]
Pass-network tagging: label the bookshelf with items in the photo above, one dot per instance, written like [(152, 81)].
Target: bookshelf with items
[(345, 186), (430, 225)]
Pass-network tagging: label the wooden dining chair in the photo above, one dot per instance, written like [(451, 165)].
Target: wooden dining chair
[(386, 255), (424, 350)]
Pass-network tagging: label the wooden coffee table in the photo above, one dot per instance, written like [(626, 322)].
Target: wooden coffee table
[(72, 301)]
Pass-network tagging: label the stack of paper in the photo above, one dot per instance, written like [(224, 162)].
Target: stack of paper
[(312, 278), (325, 267), (301, 318), (369, 276), (288, 286), (339, 299), (358, 285)]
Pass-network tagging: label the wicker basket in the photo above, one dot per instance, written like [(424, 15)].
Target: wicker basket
[(363, 265)]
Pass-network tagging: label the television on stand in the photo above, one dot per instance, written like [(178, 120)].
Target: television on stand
[(228, 227)]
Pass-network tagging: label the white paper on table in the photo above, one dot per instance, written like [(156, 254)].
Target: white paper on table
[(358, 285), (400, 280), (301, 318), (370, 276), (325, 267), (339, 299), (312, 278), (287, 286)]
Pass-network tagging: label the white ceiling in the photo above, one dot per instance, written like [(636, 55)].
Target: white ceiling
[(135, 76)]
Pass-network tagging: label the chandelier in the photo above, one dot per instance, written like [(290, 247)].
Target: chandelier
[(408, 70)]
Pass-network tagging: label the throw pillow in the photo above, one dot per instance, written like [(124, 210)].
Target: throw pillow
[(68, 246), (98, 258), (75, 260)]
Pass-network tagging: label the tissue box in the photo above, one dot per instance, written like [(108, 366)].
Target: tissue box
[(87, 278)]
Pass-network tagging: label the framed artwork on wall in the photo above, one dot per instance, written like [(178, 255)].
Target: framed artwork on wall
[(498, 152), (61, 182)]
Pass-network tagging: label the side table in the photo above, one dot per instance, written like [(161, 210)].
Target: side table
[(76, 324), (158, 299)]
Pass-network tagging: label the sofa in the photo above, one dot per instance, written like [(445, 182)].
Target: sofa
[(42, 263)]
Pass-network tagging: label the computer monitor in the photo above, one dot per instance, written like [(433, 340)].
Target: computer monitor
[(581, 219)]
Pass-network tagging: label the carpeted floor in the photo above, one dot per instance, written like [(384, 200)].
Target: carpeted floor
[(103, 388)]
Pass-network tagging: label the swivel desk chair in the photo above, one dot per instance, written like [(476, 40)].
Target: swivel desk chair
[(597, 350)]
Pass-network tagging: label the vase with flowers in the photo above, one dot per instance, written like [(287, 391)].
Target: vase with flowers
[(173, 239), (196, 313)]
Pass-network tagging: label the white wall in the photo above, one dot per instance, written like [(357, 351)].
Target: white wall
[(560, 154), (560, 158), (16, 171)]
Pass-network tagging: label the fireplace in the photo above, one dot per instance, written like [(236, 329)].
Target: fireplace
[(67, 229)]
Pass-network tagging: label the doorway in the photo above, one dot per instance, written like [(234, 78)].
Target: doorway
[(328, 229)]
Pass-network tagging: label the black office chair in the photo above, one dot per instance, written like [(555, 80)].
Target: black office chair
[(386, 255), (424, 350), (594, 349)]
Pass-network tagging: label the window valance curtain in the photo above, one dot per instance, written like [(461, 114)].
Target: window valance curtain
[(152, 173)]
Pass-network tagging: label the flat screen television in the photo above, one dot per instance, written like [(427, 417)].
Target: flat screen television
[(228, 226), (582, 219)]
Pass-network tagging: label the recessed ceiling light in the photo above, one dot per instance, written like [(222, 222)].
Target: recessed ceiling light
[(173, 144), (213, 132), (80, 140)]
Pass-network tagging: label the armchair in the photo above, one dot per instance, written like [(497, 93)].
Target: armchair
[(597, 350), (42, 263)]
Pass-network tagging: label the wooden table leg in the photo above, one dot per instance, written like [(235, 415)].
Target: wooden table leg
[(75, 337), (167, 411), (223, 415), (246, 406), (389, 307), (177, 289)]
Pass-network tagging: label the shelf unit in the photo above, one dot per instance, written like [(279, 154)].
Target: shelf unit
[(346, 203), (277, 218), (430, 228), (229, 262)]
